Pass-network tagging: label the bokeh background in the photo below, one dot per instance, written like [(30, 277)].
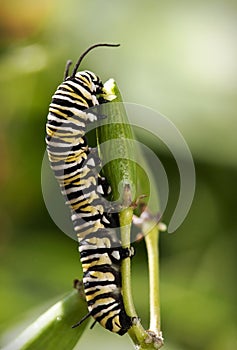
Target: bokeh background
[(177, 57)]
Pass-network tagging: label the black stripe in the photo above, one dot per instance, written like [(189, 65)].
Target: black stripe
[(100, 308), (105, 269), (88, 252), (78, 104), (89, 261), (66, 124), (96, 284), (90, 292), (101, 233)]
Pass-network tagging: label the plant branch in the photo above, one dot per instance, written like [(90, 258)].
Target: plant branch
[(125, 221), (151, 240), (121, 172)]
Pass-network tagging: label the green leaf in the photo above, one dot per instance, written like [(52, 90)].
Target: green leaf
[(53, 329)]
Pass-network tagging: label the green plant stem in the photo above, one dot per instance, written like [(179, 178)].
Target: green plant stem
[(125, 221), (143, 339), (137, 333), (151, 240)]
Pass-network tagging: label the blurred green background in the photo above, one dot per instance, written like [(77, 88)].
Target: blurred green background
[(176, 57)]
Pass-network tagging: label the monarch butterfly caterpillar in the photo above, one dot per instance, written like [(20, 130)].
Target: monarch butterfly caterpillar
[(75, 167)]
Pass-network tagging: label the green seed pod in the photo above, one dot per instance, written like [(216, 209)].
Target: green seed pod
[(116, 141)]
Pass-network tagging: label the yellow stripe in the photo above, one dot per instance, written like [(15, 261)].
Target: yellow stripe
[(76, 158), (116, 323), (63, 133), (49, 131), (97, 225), (70, 94), (85, 93), (104, 276), (88, 83), (56, 111), (101, 291), (79, 204), (90, 180), (94, 210), (101, 261), (66, 86), (68, 180), (74, 141)]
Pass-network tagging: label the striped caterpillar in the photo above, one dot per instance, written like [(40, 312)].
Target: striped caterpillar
[(75, 167)]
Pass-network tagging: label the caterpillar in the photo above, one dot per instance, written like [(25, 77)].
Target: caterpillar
[(75, 166)]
